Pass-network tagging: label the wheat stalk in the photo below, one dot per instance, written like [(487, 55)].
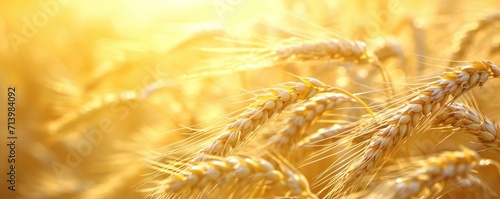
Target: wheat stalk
[(466, 118), (419, 111)]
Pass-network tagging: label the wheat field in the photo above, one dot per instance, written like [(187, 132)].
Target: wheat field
[(249, 99)]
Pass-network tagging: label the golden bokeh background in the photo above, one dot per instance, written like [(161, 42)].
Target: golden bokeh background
[(98, 83)]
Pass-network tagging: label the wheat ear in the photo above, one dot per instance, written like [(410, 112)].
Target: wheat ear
[(472, 185), (259, 113), (349, 51), (321, 137), (466, 118), (335, 49), (303, 117), (389, 48), (465, 37), (94, 107), (430, 176), (234, 170), (417, 113)]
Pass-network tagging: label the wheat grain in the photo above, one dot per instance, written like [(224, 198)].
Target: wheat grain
[(412, 117), (466, 118)]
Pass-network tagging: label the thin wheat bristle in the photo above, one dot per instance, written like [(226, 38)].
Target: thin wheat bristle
[(417, 113)]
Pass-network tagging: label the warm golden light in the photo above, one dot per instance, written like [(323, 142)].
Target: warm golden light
[(249, 99)]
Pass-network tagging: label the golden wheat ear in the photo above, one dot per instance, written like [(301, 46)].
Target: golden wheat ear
[(414, 117), (305, 115), (428, 177), (266, 106), (466, 119), (465, 37), (242, 173)]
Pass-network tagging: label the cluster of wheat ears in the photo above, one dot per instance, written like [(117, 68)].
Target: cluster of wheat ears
[(290, 99)]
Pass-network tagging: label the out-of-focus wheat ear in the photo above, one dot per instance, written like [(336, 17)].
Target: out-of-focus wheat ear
[(266, 106), (495, 47), (465, 37), (303, 50), (413, 117), (211, 177), (334, 49), (430, 176), (93, 108), (110, 100), (470, 187), (384, 50), (472, 121), (388, 48)]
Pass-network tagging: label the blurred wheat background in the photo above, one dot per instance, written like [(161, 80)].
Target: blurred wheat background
[(118, 99)]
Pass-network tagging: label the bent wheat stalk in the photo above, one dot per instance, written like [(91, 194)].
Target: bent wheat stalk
[(412, 117)]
